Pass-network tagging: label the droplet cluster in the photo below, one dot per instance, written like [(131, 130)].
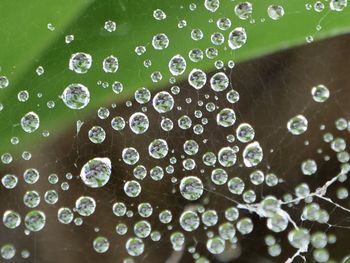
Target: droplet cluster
[(215, 170)]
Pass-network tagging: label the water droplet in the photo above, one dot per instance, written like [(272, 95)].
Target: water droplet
[(117, 87), (142, 229), (191, 188), (40, 71), (110, 64), (212, 5), (189, 221), (30, 122), (219, 176), (216, 245), (138, 122), (8, 251), (236, 185), (132, 188), (76, 96), (320, 93), (237, 38), (4, 82), (226, 117), (160, 41), (51, 197), (35, 220), (223, 23), (299, 238), (177, 65), (69, 39), (80, 62), (11, 219), (145, 209), (101, 244), (319, 6), (31, 176), (245, 226), (245, 133), (257, 177), (163, 102), (244, 10), (297, 125), (197, 78), (159, 14), (275, 12), (142, 95), (309, 167), (65, 215), (210, 218), (158, 148), (252, 154), (338, 5), (110, 26), (23, 96), (31, 199), (96, 172), (85, 205), (118, 123), (130, 156), (219, 82), (50, 27), (134, 246), (195, 55), (197, 34)]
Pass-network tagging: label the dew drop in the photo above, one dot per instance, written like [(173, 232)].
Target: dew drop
[(297, 125), (96, 172), (163, 102), (338, 5), (160, 41), (158, 149), (138, 123), (212, 5), (177, 65), (80, 62), (244, 10), (4, 82), (35, 220), (219, 82), (159, 14), (110, 64), (189, 221), (252, 154), (237, 38), (320, 93), (191, 188), (30, 122), (110, 26), (275, 12), (76, 96), (101, 244), (85, 205)]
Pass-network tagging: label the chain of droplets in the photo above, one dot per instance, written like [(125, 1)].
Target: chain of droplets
[(97, 171)]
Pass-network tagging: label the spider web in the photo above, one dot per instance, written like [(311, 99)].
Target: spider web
[(272, 90)]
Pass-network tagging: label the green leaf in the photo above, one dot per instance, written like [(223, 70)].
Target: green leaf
[(26, 43)]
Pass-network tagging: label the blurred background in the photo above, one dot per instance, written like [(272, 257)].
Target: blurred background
[(272, 89)]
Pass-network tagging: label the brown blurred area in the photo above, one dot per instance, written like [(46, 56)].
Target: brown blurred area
[(272, 90)]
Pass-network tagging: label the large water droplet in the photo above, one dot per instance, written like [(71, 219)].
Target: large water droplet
[(96, 172), (80, 62), (191, 188), (76, 96), (237, 38), (30, 122)]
